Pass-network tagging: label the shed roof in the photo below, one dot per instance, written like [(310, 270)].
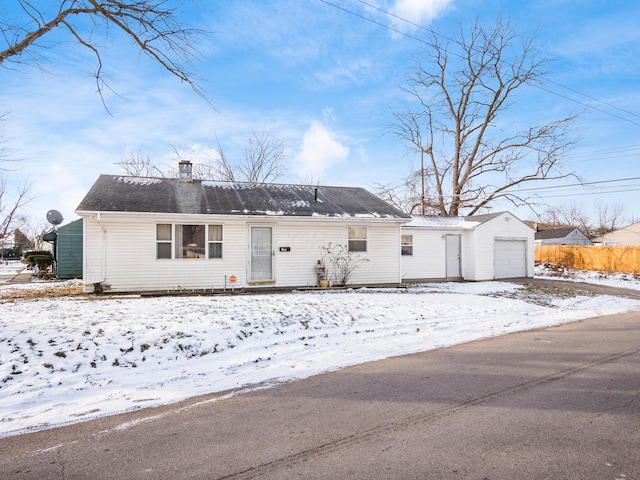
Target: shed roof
[(444, 221), (114, 193), (439, 221), (483, 218)]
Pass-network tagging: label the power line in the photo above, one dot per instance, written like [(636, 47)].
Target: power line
[(450, 39), (607, 192), (593, 98), (605, 151)]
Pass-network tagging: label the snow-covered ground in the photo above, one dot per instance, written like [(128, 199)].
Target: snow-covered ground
[(72, 358)]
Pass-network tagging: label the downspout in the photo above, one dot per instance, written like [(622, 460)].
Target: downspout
[(103, 267), (400, 254)]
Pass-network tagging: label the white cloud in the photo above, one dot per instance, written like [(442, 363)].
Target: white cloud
[(422, 12), (320, 150)]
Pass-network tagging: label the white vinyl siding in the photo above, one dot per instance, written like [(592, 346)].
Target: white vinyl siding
[(126, 260), (428, 261), (305, 239)]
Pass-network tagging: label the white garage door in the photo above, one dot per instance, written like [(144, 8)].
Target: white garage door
[(510, 259)]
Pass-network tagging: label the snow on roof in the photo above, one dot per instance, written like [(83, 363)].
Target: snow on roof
[(440, 221), (111, 193)]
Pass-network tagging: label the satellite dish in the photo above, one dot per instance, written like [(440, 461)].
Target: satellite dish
[(54, 217)]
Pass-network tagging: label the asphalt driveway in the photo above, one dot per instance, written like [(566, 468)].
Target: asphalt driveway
[(554, 403)]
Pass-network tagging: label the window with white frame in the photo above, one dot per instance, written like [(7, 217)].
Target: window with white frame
[(215, 241), (188, 241), (163, 240), (357, 239), (406, 244)]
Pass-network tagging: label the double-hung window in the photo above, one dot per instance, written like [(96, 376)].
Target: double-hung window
[(406, 243), (357, 239), (215, 241), (163, 240), (188, 241)]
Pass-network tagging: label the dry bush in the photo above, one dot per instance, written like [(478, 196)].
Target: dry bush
[(61, 290)]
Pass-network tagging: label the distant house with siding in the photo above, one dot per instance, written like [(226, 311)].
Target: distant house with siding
[(159, 234), (628, 236), (562, 236), (69, 250)]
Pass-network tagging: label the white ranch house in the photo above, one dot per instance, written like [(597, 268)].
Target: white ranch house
[(159, 235), (168, 235)]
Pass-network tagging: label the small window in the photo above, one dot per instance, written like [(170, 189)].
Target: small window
[(406, 244), (215, 241), (190, 241), (163, 240), (357, 239)]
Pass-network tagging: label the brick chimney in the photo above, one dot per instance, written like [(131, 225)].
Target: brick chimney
[(186, 171)]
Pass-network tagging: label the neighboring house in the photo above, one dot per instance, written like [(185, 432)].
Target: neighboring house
[(562, 236), (625, 237), (158, 234), (69, 250), (482, 247)]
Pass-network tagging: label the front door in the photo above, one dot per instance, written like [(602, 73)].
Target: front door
[(261, 254), (453, 256)]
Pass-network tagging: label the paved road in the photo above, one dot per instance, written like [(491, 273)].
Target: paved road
[(555, 403)]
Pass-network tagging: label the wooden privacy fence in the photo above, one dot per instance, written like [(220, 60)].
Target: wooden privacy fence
[(606, 259)]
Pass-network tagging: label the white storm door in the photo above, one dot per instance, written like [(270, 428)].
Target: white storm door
[(261, 253), (453, 256)]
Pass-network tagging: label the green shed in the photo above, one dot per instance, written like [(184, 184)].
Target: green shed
[(69, 248)]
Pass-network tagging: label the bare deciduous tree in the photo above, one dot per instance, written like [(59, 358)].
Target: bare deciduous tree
[(263, 158), (10, 205), (153, 26), (139, 165), (408, 196), (262, 162), (571, 215), (610, 218), (224, 170), (460, 92)]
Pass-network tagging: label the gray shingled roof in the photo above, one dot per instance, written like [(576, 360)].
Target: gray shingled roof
[(113, 193), (483, 218), (554, 233)]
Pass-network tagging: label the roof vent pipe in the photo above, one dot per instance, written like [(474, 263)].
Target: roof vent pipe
[(315, 195), (186, 171)]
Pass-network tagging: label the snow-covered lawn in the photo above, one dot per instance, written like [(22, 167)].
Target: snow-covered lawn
[(72, 358)]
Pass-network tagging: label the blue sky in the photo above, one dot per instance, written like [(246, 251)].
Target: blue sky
[(323, 81)]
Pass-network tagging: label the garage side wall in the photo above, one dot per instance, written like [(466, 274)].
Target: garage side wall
[(505, 227), (428, 261)]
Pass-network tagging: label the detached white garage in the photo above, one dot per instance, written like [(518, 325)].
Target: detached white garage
[(483, 247)]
